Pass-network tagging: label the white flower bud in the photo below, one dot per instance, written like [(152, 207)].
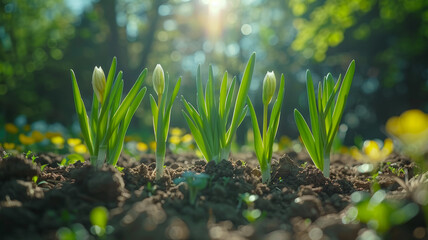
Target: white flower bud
[(99, 83), (269, 85), (158, 80)]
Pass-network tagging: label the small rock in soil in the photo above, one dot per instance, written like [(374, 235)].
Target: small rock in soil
[(105, 184), (17, 167)]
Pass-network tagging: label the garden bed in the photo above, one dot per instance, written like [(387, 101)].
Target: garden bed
[(299, 203)]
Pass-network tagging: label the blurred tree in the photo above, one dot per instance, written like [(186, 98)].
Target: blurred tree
[(33, 36), (389, 40)]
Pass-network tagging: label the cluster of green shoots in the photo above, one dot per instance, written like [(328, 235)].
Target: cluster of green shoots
[(325, 115), (104, 130), (210, 122)]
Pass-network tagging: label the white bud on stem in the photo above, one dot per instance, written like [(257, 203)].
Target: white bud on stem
[(158, 80), (269, 85), (99, 83)]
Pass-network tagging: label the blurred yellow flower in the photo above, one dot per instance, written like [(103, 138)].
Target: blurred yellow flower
[(142, 147), (37, 136), (51, 135), (410, 127), (372, 152), (58, 140), (72, 142), (152, 145), (176, 131), (187, 138), (11, 128), (27, 128), (8, 146), (80, 148), (174, 139), (25, 139)]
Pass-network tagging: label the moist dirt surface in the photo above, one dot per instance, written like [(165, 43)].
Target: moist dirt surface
[(299, 203)]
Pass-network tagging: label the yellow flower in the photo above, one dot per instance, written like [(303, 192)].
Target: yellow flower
[(80, 148), (174, 140), (25, 139), (152, 145), (142, 147), (11, 128), (372, 152), (8, 146), (187, 138), (176, 131), (51, 135), (410, 127), (58, 140), (37, 136), (72, 142)]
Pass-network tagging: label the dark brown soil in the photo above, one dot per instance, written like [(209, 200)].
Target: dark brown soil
[(299, 203)]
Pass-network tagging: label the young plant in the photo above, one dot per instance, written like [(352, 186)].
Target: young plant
[(104, 131), (209, 123), (162, 114), (195, 182), (264, 145), (325, 116)]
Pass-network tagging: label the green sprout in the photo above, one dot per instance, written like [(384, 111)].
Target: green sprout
[(209, 123), (195, 182), (162, 114), (251, 213), (378, 212), (264, 146), (104, 131), (325, 116), (99, 218)]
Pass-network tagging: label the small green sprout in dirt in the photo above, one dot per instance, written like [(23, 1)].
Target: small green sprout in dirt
[(209, 122), (76, 232), (162, 114), (195, 183), (104, 130), (325, 115), (71, 159), (263, 144), (251, 214), (151, 189), (99, 218), (379, 213)]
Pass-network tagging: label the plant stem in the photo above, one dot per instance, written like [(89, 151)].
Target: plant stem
[(192, 195), (265, 173), (102, 153), (160, 159), (326, 166), (265, 114)]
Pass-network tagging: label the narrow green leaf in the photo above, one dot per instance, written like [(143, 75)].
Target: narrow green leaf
[(169, 107), (81, 113), (110, 78), (121, 111), (307, 138), (241, 97), (258, 142), (223, 95), (341, 100), (198, 137), (155, 111)]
